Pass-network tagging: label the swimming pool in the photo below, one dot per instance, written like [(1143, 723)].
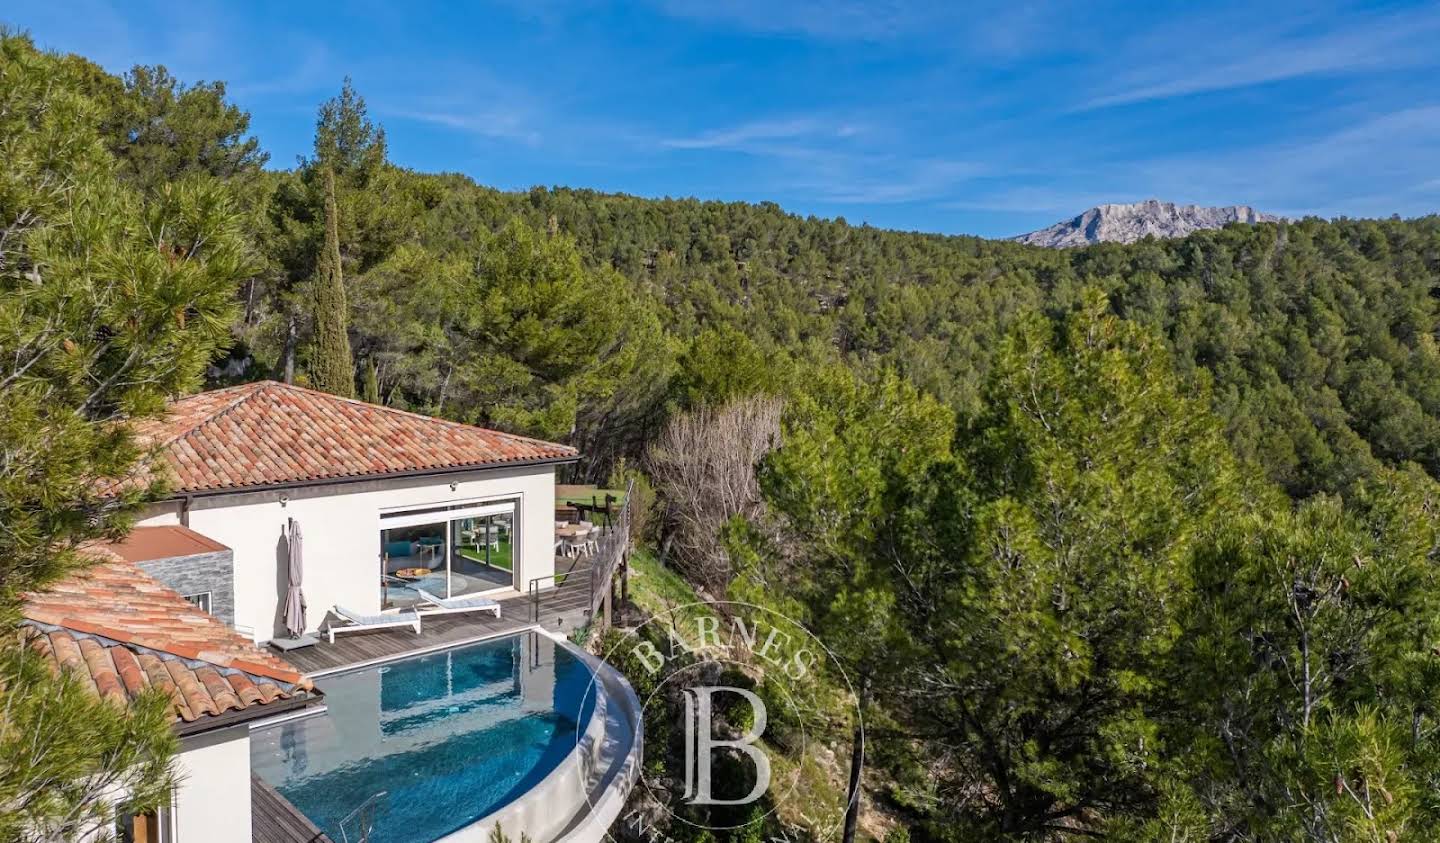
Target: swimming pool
[(449, 737)]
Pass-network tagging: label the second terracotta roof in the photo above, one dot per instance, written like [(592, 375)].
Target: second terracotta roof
[(120, 673), (273, 434), (116, 600), (124, 631)]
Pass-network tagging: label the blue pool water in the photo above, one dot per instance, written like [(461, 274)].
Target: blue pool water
[(450, 737)]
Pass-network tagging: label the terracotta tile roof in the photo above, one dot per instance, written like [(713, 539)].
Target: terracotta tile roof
[(269, 433), (123, 632)]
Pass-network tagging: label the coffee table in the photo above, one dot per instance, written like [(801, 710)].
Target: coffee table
[(413, 573)]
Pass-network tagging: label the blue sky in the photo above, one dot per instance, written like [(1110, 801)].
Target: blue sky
[(984, 118)]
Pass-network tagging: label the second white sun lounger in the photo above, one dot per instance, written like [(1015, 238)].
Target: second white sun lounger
[(457, 605)]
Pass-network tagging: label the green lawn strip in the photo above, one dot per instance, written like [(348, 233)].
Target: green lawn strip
[(498, 558), (596, 497)]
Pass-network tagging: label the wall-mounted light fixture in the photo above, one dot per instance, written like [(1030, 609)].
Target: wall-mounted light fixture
[(454, 486), (284, 499)]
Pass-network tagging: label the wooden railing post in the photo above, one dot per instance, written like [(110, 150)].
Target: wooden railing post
[(625, 578)]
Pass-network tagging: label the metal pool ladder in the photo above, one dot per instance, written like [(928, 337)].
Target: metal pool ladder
[(365, 818)]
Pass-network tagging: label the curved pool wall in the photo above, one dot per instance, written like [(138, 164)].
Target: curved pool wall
[(582, 798), (528, 732)]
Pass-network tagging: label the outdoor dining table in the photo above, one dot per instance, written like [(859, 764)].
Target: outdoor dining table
[(572, 536)]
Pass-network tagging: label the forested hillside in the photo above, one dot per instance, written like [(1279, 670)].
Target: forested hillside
[(1320, 336)]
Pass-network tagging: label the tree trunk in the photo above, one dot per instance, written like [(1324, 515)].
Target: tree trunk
[(249, 303), (291, 336), (857, 764), (444, 388)]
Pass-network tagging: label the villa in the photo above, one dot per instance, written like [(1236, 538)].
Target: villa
[(366, 484), (294, 516)]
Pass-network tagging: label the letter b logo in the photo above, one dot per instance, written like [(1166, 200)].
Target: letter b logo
[(700, 744)]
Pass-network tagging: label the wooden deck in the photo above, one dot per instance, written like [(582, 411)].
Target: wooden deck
[(274, 820), (563, 608)]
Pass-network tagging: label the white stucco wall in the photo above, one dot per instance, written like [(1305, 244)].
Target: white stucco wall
[(341, 526), (212, 800)]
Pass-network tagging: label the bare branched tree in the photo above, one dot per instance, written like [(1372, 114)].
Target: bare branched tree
[(703, 467)]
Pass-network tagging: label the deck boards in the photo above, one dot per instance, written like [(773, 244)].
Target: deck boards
[(274, 820), (563, 608)]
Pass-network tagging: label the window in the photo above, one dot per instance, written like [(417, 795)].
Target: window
[(447, 551), (202, 600)]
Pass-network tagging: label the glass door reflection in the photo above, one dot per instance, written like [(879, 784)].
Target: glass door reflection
[(412, 558), (482, 553)]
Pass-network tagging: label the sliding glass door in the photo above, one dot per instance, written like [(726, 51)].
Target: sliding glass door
[(413, 560), (483, 551), (447, 551)]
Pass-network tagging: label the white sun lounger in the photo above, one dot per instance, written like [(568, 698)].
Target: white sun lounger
[(359, 622), (457, 605)]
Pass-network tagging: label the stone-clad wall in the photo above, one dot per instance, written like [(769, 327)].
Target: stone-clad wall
[(200, 572)]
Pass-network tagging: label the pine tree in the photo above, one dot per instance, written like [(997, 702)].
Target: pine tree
[(333, 367), (111, 300), (1009, 584)]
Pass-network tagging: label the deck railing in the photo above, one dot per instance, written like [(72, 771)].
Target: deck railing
[(611, 547), (614, 542)]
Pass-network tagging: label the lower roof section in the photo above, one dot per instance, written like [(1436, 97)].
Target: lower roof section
[(146, 544)]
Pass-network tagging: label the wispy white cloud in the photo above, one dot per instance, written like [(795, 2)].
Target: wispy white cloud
[(1367, 168), (988, 28), (863, 20), (762, 135), (1034, 200), (467, 96), (921, 181), (481, 122), (744, 135), (316, 69), (871, 178), (832, 161), (1225, 55), (906, 112)]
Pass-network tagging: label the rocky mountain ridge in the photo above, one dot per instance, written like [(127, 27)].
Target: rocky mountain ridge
[(1126, 223)]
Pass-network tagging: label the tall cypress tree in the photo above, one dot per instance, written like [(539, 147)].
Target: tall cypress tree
[(370, 391), (333, 367)]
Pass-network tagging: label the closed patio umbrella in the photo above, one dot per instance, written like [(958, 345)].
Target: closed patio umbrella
[(294, 597)]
